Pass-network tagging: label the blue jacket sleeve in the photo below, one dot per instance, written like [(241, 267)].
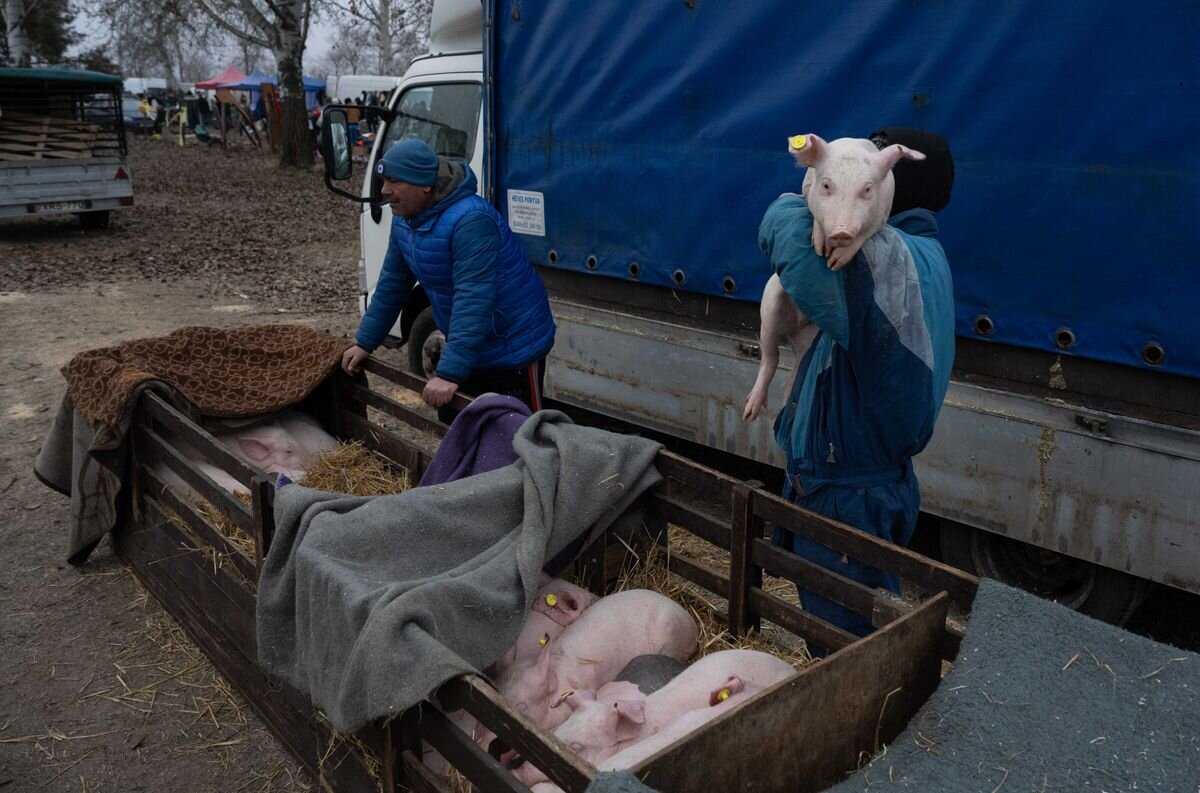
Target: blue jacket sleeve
[(785, 236), (475, 247), (391, 295)]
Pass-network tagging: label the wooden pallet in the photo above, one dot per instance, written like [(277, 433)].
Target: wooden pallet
[(854, 701), (28, 137)]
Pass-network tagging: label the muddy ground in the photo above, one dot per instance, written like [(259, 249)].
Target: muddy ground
[(99, 690)]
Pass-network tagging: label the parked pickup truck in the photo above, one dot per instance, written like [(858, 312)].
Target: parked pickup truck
[(62, 145)]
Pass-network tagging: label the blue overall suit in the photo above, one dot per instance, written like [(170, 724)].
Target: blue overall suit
[(869, 388)]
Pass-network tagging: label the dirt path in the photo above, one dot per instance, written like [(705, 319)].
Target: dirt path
[(99, 690)]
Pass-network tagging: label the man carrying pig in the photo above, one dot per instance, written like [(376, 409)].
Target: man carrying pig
[(485, 295), (869, 387)]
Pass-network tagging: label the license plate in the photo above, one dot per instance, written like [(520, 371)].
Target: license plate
[(61, 206)]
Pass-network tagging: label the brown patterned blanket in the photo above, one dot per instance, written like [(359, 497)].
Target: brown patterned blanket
[(240, 372)]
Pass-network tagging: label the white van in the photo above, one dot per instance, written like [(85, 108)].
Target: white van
[(351, 86)]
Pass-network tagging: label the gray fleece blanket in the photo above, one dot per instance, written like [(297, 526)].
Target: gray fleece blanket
[(1043, 698), (369, 604)]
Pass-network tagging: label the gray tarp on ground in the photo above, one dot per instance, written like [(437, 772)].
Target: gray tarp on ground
[(1043, 698), (368, 604)]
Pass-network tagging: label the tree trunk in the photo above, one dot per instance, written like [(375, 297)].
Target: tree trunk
[(297, 145), (19, 51), (384, 27)]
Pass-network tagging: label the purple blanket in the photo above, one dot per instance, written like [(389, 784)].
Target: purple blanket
[(479, 440)]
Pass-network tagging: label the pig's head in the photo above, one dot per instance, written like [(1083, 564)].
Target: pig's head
[(561, 605), (849, 189), (595, 731), (532, 686), (273, 456)]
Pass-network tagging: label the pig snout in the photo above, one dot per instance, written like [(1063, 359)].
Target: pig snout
[(841, 237)]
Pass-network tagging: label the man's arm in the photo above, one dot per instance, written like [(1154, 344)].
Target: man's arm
[(390, 298), (785, 236)]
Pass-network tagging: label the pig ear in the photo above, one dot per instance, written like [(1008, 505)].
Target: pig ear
[(254, 449), (632, 709), (808, 150), (890, 155), (732, 685)]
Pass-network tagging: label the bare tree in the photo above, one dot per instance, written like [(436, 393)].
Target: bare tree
[(400, 27), (282, 27), (19, 51), (347, 55)]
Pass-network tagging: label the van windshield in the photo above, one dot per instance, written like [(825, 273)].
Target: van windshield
[(446, 116)]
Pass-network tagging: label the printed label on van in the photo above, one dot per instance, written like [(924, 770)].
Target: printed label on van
[(527, 212)]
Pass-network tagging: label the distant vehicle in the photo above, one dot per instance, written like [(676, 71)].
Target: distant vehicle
[(351, 86), (136, 122), (62, 145)]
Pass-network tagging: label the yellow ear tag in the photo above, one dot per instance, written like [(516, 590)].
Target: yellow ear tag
[(551, 600), (542, 641), (722, 695), (797, 142)]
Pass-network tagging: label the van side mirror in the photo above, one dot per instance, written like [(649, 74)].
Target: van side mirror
[(335, 150)]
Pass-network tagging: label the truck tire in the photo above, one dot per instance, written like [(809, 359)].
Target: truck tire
[(1100, 592), (91, 221), (425, 343)]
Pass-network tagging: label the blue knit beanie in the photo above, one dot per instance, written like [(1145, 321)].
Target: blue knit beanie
[(410, 161)]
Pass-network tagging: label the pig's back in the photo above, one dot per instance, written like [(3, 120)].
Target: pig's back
[(616, 629)]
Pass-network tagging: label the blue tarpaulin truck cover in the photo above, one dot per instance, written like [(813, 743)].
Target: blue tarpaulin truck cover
[(656, 133)]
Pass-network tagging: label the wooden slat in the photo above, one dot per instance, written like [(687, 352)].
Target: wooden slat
[(198, 438), (699, 523), (391, 407), (807, 733), (419, 776), (695, 476), (484, 771), (744, 574), (699, 573), (262, 504), (409, 380), (534, 744), (826, 583), (194, 597), (798, 621), (150, 448), (153, 486), (930, 575)]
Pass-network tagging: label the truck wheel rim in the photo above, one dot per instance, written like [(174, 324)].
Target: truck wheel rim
[(431, 352)]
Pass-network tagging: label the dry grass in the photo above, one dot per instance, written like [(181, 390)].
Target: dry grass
[(651, 569)]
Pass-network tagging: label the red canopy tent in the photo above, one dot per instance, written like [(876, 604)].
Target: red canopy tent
[(231, 75)]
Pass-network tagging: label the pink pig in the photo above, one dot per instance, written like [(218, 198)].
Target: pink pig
[(779, 319), (599, 727), (556, 605), (849, 189), (274, 449), (594, 648)]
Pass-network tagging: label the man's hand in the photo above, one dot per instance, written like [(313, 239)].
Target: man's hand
[(352, 359), (438, 392)]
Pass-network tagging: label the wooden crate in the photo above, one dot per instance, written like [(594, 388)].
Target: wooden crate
[(802, 734)]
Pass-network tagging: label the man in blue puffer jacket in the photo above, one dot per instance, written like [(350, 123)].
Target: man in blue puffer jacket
[(485, 295)]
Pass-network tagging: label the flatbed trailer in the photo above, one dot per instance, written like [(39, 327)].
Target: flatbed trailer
[(834, 713)]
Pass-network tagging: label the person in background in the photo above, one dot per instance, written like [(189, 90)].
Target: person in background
[(352, 119), (868, 390), (486, 297)]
